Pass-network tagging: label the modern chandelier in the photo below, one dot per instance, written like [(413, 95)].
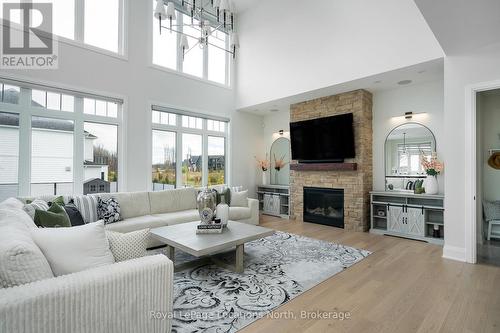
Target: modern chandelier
[(212, 16)]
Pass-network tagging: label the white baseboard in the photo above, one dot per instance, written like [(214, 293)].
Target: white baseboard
[(454, 253)]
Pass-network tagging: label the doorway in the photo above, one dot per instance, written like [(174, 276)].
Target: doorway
[(488, 177)]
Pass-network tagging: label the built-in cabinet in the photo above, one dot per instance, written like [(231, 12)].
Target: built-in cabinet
[(274, 200), (416, 216)]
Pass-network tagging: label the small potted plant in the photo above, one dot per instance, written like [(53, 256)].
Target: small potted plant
[(264, 166), (432, 168)]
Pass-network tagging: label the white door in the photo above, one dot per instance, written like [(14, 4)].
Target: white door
[(415, 221), (395, 221)]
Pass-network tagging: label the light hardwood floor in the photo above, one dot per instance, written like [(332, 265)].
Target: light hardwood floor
[(404, 286)]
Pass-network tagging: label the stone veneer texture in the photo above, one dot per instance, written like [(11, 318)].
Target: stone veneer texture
[(356, 184)]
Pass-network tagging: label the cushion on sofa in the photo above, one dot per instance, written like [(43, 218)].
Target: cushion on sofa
[(172, 200), (179, 217), (239, 213), (12, 203), (87, 205), (132, 204), (16, 217), (108, 210), (71, 250), (21, 261), (136, 223), (54, 217), (127, 246), (31, 207), (239, 199)]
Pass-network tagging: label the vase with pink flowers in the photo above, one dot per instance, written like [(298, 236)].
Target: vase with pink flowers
[(432, 168), (264, 166)]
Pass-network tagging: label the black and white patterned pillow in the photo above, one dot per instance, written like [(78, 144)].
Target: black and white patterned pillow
[(108, 210)]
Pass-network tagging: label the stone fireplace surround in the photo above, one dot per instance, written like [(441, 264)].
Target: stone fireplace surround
[(356, 183)]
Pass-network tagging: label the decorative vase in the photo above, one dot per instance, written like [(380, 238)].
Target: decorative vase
[(206, 202), (264, 177), (431, 185), (222, 212)]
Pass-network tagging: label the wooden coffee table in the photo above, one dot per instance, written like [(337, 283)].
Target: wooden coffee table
[(184, 237)]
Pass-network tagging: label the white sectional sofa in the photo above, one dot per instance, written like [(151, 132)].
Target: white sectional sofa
[(118, 297), (142, 210)]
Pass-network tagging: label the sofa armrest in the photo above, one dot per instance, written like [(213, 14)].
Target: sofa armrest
[(115, 298), (254, 208)]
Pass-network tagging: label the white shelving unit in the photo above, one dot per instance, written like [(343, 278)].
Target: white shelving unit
[(274, 200), (408, 215)]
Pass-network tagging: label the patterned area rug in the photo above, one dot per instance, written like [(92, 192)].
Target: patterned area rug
[(278, 268)]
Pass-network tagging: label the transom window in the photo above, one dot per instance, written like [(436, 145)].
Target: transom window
[(68, 151), (98, 23), (210, 63), (187, 150)]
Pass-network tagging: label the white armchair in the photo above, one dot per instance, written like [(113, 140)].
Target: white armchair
[(116, 298)]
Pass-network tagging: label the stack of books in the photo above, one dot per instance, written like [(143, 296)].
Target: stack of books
[(209, 228)]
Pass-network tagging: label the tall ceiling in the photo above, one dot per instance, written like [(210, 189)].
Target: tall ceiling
[(462, 25)]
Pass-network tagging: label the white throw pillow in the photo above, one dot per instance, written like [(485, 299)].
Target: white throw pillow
[(130, 245), (21, 261), (239, 199), (34, 205), (71, 250)]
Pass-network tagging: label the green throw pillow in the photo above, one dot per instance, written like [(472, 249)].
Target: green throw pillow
[(55, 217), (59, 200)]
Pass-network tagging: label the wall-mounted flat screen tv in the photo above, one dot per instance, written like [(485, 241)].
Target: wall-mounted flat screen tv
[(329, 139)]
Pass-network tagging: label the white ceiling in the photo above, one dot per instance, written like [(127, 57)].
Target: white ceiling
[(462, 25), (420, 73)]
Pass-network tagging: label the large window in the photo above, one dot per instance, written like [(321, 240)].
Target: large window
[(94, 22), (216, 160), (197, 142), (164, 169), (100, 157), (58, 148), (210, 63), (51, 156)]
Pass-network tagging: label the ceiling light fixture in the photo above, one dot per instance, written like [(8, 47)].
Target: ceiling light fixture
[(212, 16)]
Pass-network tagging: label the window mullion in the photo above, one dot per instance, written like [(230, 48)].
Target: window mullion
[(178, 159), (78, 148), (24, 168), (204, 173)]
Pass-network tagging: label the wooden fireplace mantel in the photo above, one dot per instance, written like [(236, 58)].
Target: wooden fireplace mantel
[(324, 166)]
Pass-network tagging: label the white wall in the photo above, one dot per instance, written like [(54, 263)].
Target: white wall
[(461, 70), (273, 122), (291, 46), (246, 142), (390, 105), (140, 84)]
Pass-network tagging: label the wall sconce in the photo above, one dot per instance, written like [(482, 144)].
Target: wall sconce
[(409, 115), (281, 132)]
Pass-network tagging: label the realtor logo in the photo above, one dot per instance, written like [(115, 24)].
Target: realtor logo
[(27, 39)]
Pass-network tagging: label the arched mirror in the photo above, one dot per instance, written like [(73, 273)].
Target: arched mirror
[(280, 162), (403, 147)]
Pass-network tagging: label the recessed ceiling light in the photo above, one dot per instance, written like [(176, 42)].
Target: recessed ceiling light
[(403, 82)]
